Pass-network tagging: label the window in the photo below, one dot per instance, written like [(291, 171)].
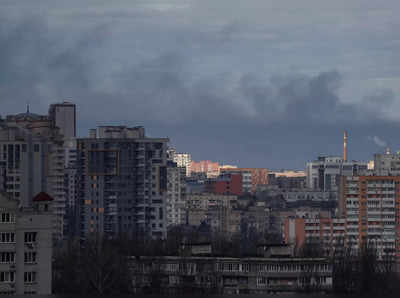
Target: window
[(30, 237), (7, 276), (7, 218), (7, 257), (36, 147), (6, 237), (30, 257), (30, 277)]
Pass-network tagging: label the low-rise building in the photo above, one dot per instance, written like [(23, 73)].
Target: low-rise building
[(230, 275)]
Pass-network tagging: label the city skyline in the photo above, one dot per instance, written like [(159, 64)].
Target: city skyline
[(261, 84)]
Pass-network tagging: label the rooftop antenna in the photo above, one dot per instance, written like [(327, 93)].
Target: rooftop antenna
[(27, 107)]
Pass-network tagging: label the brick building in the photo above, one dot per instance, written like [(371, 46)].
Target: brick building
[(259, 176), (228, 184)]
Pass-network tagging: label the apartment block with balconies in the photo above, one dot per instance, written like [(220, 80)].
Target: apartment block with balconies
[(26, 246)]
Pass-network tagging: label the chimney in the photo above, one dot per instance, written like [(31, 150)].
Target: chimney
[(345, 146)]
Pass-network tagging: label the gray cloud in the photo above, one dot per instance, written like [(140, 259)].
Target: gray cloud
[(208, 83)]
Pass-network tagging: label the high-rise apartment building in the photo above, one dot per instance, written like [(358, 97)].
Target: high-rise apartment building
[(32, 160), (26, 246), (70, 183), (369, 213), (63, 116), (371, 208), (176, 194), (324, 173), (183, 160), (122, 183)]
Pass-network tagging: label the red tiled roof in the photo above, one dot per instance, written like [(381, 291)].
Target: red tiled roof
[(42, 196)]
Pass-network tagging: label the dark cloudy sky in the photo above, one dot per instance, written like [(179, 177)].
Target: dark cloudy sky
[(258, 83)]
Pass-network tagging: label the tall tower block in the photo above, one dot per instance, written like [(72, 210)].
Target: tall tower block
[(345, 146)]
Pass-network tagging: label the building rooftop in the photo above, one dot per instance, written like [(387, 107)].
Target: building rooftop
[(42, 197)]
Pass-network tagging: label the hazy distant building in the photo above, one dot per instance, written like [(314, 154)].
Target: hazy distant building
[(26, 246), (387, 164), (259, 176), (63, 116), (324, 173), (211, 169), (122, 183), (226, 184)]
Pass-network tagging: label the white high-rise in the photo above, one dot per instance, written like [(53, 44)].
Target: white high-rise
[(183, 160)]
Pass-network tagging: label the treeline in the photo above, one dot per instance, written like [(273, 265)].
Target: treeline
[(97, 266), (100, 266), (364, 271)]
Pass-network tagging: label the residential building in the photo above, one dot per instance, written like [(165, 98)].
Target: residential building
[(211, 169), (256, 218), (215, 210), (288, 179), (368, 213), (370, 205), (228, 183), (324, 173), (183, 160), (387, 164), (289, 173), (315, 228), (294, 195), (32, 160), (26, 245), (63, 116), (122, 183), (176, 194), (259, 176), (216, 275)]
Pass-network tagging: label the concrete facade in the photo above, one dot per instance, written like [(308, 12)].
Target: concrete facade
[(32, 160), (183, 160), (215, 275), (176, 195), (63, 116), (324, 174), (387, 164), (122, 183), (25, 247), (215, 210)]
